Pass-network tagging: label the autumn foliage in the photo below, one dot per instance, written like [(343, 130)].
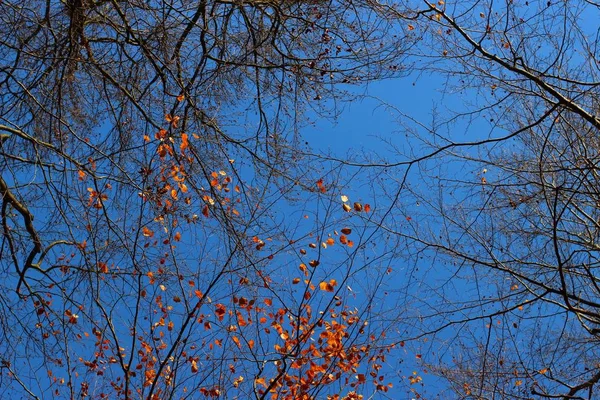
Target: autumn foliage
[(126, 308), (177, 223)]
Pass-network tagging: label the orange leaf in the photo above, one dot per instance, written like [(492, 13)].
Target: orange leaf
[(330, 242), (268, 302), (260, 381), (328, 286), (346, 207), (184, 142), (358, 207), (81, 175), (346, 231), (367, 208), (161, 134), (220, 311), (320, 185), (147, 232), (177, 237), (103, 267)]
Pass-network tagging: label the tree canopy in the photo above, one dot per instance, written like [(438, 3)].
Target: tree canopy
[(169, 232)]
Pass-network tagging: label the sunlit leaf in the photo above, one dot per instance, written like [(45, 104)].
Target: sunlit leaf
[(328, 286), (260, 381), (184, 142)]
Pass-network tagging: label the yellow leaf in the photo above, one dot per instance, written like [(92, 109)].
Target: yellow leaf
[(344, 198)]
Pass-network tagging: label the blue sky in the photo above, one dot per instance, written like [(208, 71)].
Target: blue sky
[(388, 121)]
